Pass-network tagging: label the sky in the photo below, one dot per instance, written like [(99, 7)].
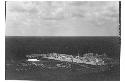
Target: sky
[(62, 18)]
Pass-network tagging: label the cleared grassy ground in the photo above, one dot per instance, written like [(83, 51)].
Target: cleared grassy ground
[(75, 72)]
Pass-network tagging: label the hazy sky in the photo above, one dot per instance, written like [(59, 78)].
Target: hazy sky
[(77, 18)]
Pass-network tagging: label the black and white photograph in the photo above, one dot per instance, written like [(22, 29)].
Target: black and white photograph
[(62, 40)]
